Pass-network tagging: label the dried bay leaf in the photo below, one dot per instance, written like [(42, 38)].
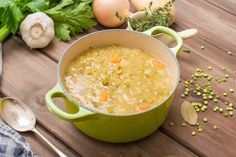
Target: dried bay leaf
[(188, 113)]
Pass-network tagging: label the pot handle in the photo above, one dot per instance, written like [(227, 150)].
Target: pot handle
[(168, 31), (80, 114)]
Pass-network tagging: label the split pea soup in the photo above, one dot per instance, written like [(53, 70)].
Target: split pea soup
[(118, 80)]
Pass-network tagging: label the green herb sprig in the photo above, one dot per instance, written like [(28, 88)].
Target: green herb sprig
[(156, 17)]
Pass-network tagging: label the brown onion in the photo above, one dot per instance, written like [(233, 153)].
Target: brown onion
[(105, 11)]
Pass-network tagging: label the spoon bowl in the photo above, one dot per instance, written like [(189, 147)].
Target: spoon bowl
[(17, 114), (20, 117)]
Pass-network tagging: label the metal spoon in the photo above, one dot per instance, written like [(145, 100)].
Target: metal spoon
[(0, 62), (22, 119)]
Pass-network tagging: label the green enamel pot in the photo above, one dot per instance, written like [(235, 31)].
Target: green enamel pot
[(116, 128)]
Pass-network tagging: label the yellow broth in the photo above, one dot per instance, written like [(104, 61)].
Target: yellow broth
[(118, 80)]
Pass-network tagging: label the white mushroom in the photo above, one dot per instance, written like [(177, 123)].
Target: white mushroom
[(37, 30)]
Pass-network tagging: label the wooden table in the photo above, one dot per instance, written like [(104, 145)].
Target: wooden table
[(29, 74)]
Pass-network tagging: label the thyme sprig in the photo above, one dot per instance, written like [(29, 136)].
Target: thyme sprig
[(156, 17)]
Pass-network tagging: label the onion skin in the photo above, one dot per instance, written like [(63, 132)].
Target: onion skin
[(142, 4), (105, 11)]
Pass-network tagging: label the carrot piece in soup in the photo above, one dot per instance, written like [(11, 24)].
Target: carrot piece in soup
[(104, 96), (158, 64), (143, 107), (115, 59)]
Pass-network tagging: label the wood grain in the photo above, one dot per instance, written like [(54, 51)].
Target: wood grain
[(214, 25), (228, 5), (216, 57), (32, 74), (39, 147), (215, 21), (210, 142)]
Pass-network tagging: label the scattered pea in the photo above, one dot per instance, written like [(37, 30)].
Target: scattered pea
[(212, 93), (219, 81), (226, 114), (231, 113), (199, 130), (229, 108), (198, 70), (205, 75), (205, 120), (199, 93), (223, 69), (183, 124), (203, 109), (209, 78), (209, 68), (194, 133), (214, 109), (210, 97), (171, 123), (186, 82), (215, 127), (220, 110), (231, 90), (230, 104), (185, 50), (226, 76), (182, 95), (229, 53), (224, 80), (205, 102), (186, 93), (202, 47), (215, 100), (225, 94)]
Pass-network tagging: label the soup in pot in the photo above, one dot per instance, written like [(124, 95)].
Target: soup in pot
[(118, 80)]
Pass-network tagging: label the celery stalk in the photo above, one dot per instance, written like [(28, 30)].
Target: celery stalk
[(4, 32)]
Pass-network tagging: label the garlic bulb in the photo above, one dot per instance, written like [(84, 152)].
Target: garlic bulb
[(37, 30)]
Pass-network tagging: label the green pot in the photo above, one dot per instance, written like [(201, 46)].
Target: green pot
[(116, 128)]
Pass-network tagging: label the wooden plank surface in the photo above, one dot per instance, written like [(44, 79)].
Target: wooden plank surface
[(226, 5), (41, 148), (212, 55), (215, 21), (210, 142), (215, 25), (39, 76)]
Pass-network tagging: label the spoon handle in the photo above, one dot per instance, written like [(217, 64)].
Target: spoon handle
[(49, 143)]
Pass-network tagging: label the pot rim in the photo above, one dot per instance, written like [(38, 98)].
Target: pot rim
[(117, 30)]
